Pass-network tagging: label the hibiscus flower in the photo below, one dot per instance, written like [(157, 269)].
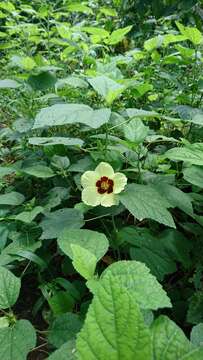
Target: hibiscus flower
[(100, 187)]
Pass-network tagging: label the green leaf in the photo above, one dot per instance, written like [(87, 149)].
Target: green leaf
[(118, 35), (84, 261), (114, 328), (196, 335), (29, 216), (133, 113), (159, 253), (72, 81), (194, 175), (92, 241), (191, 33), (42, 81), (61, 302), (176, 197), (9, 288), (16, 341), (6, 170), (153, 43), (4, 322), (13, 198), (143, 201), (64, 328), (106, 87), (9, 84), (66, 351), (55, 222), (169, 342), (192, 155), (102, 33), (135, 131), (49, 141), (40, 171), (79, 8), (62, 114), (194, 314), (136, 279), (23, 243)]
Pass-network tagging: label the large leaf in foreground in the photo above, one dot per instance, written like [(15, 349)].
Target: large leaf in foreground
[(135, 278), (92, 241), (116, 326), (170, 343), (16, 341), (143, 201), (63, 114), (9, 288)]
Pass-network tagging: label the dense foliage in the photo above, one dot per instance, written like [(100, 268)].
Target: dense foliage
[(83, 84)]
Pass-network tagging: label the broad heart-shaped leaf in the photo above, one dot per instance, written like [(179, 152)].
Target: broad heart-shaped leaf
[(135, 131), (13, 198), (135, 277), (92, 241), (56, 221), (16, 341), (170, 343), (54, 140), (43, 81), (192, 155), (194, 175), (159, 253), (114, 327), (39, 171), (106, 87), (84, 261), (191, 33), (176, 197), (143, 201), (64, 328), (196, 335), (9, 84), (63, 114), (9, 288), (117, 35), (65, 352)]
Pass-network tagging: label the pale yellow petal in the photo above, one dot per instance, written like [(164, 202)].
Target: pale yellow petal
[(108, 200), (90, 196), (104, 169), (120, 181), (89, 178)]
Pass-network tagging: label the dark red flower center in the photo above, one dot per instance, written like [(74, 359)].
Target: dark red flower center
[(104, 185)]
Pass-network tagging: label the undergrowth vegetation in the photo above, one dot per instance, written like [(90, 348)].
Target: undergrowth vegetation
[(101, 176)]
